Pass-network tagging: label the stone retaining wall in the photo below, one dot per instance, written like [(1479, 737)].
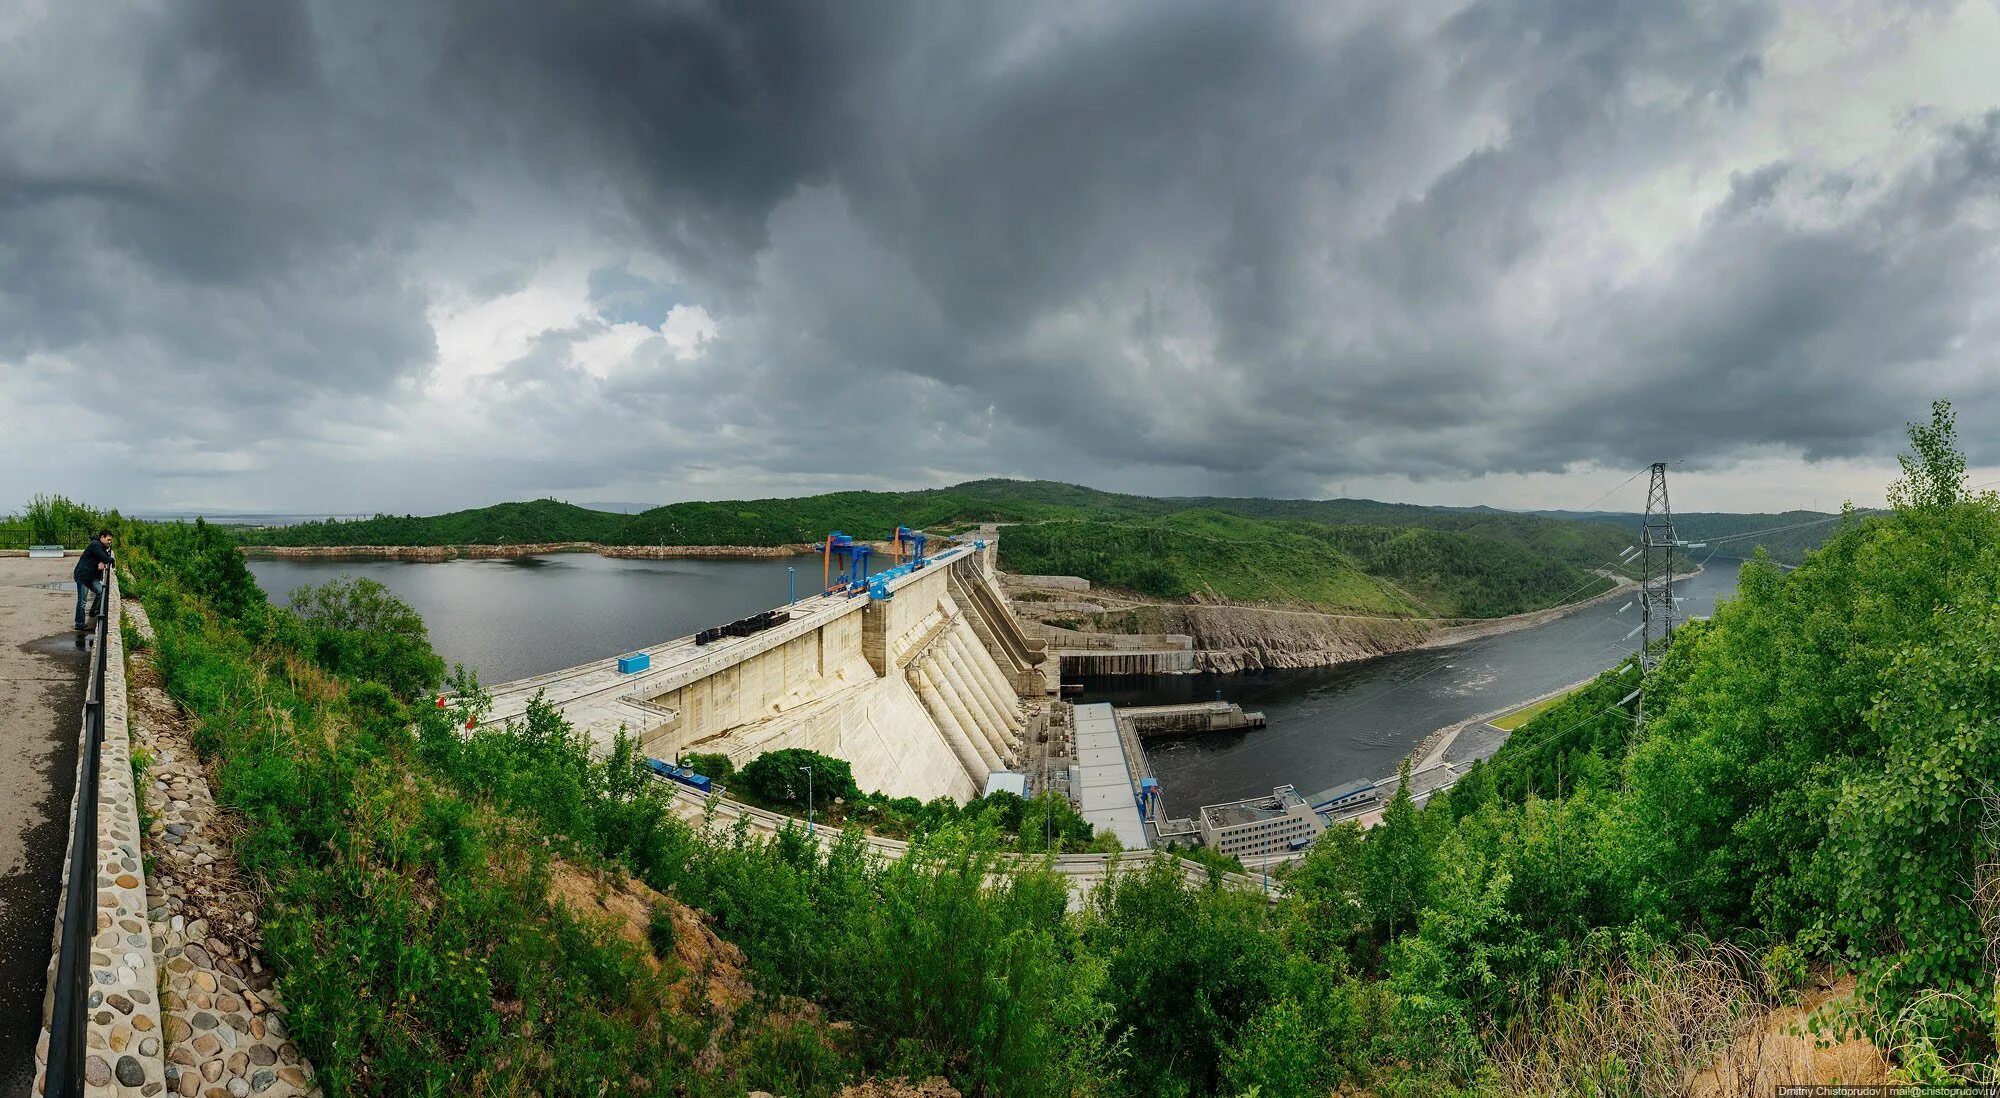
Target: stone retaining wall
[(122, 1045)]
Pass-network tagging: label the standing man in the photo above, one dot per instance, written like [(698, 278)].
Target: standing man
[(93, 571)]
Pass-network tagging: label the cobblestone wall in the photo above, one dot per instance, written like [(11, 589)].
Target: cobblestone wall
[(122, 1046)]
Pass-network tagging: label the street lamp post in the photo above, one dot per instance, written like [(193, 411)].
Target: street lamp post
[(809, 799), (791, 585)]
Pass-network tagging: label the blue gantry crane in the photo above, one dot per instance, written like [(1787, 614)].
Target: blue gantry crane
[(851, 576), (911, 541), (846, 568)]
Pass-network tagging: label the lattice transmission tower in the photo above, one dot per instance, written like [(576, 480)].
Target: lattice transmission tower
[(1656, 584)]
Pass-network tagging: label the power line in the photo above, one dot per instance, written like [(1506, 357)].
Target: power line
[(1635, 476), (1772, 530)]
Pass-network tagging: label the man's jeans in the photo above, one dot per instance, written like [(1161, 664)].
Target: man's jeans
[(97, 605)]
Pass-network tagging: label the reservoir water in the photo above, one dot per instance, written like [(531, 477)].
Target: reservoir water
[(512, 618), (508, 619)]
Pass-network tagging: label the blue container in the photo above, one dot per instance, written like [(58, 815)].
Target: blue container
[(680, 774), (637, 661)]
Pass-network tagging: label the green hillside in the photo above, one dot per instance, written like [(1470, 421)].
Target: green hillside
[(763, 522), (541, 520), (1204, 553), (1475, 575), (1350, 555)]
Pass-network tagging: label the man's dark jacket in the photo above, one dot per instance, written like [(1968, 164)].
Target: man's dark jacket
[(94, 554)]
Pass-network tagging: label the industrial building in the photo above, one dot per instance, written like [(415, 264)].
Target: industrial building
[(1261, 826)]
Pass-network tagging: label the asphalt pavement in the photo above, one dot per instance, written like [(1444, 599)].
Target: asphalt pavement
[(43, 664)]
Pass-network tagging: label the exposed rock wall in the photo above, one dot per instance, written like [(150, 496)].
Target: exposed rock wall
[(1241, 638)]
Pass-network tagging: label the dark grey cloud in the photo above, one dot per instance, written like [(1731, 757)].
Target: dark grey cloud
[(1165, 246)]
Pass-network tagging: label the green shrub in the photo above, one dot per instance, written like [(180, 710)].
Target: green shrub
[(660, 933), (1783, 969), (715, 767), (359, 629), (790, 776)]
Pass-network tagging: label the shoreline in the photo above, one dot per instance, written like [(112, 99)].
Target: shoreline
[(1430, 750), (1493, 627), (505, 552)]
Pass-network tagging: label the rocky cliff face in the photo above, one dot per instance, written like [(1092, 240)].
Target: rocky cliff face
[(1238, 638), (1225, 637), (1234, 638)]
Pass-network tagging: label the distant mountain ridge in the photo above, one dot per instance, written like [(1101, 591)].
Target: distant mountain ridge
[(1346, 555), (1787, 536), (1349, 556)]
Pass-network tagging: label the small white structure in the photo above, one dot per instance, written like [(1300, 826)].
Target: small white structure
[(1008, 781), (45, 551)]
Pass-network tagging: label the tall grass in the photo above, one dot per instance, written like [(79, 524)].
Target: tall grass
[(1638, 1025)]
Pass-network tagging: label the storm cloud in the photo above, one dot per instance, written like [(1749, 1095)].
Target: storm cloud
[(361, 255)]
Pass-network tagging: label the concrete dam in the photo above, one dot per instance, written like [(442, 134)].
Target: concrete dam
[(924, 682)]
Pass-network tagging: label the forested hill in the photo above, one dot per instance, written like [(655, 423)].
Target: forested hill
[(1787, 536), (808, 518), (1356, 556)]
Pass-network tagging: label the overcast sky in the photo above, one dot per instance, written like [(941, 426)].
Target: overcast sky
[(383, 254)]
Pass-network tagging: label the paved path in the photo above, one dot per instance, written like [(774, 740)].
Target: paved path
[(42, 668)]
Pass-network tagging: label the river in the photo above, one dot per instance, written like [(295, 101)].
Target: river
[(1329, 726), (511, 618)]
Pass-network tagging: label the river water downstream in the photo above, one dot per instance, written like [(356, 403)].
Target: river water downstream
[(512, 618), (1334, 725)]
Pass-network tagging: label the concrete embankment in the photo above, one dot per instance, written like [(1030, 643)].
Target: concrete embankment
[(503, 552)]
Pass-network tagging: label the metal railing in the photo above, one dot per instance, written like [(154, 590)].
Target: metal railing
[(69, 1016)]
